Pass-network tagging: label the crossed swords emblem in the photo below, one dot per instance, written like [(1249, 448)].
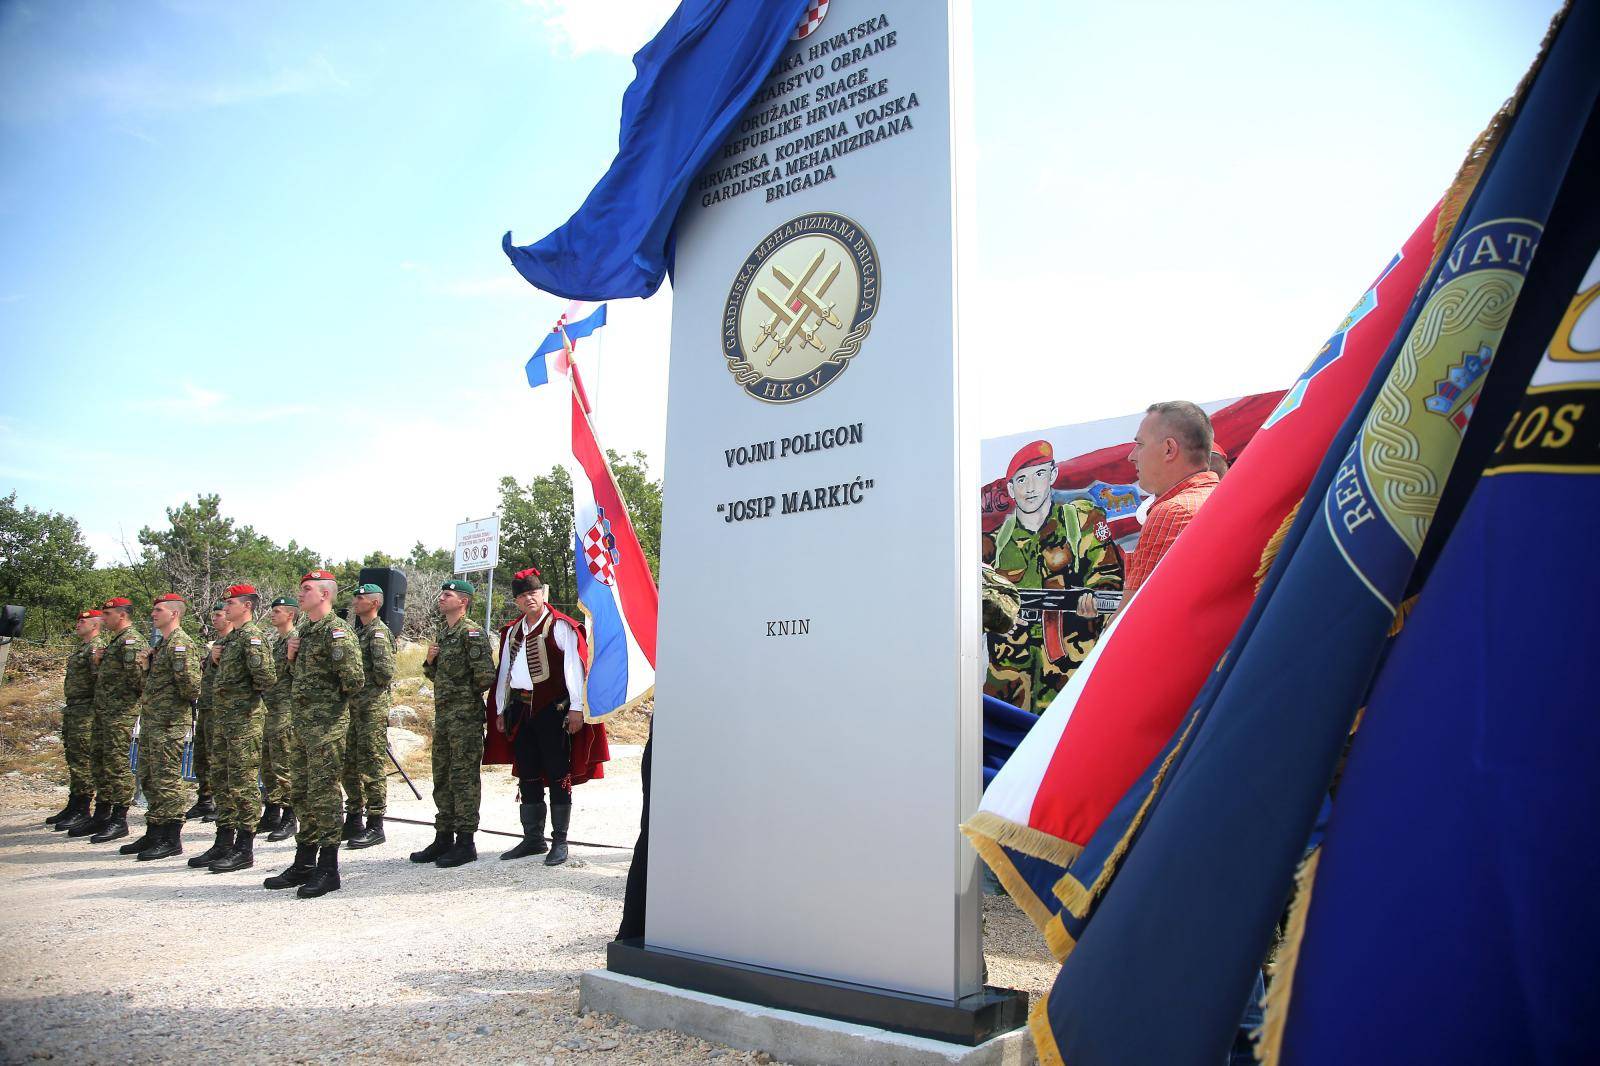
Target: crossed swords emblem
[(793, 311)]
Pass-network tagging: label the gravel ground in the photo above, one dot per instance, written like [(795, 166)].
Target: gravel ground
[(103, 959)]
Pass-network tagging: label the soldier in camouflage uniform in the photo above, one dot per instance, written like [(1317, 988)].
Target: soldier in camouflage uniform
[(244, 673), (325, 663), (205, 737), (277, 734), (172, 683), (366, 782), (461, 665), (119, 678), (77, 724), (1045, 544)]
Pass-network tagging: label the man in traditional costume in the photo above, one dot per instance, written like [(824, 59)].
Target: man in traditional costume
[(537, 719)]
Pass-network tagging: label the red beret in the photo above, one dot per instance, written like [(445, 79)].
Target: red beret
[(119, 601), (319, 575), (169, 597), (532, 571), (242, 590), (90, 613), (1030, 454)]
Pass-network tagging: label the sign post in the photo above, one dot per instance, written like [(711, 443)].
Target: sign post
[(478, 548)]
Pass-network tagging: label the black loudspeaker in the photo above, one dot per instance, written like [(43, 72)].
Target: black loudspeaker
[(393, 584), (11, 621)]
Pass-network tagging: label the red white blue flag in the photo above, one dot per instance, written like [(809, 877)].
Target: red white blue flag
[(615, 588)]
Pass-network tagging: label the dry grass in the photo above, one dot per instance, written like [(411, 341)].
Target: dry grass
[(30, 712)]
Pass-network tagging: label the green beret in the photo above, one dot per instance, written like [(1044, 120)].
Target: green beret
[(284, 601), (456, 584), (219, 605), (369, 589)]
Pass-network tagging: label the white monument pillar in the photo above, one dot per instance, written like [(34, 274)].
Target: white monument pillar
[(817, 725)]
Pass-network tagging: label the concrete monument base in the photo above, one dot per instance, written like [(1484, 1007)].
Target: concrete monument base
[(786, 1035)]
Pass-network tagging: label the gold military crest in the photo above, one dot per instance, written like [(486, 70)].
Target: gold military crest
[(800, 307)]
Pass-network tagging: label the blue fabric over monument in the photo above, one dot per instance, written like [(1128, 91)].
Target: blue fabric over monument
[(1163, 969), (692, 83), (1004, 726)]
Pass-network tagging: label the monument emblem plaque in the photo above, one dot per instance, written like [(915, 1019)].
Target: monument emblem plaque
[(800, 307)]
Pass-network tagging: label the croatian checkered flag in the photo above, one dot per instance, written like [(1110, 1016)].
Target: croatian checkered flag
[(615, 588)]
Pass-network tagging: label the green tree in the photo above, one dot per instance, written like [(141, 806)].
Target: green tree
[(202, 552), (46, 567), (643, 499), (536, 528)]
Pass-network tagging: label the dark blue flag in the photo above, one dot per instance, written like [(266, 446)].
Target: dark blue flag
[(693, 81), (1162, 970), (1451, 916)]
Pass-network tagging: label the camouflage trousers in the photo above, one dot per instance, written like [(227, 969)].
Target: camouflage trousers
[(275, 754), (161, 737), (111, 741), (236, 767), (366, 781), (315, 766), (457, 760), (77, 741), (203, 738)]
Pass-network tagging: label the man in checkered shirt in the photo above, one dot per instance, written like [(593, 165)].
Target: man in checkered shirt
[(1172, 454)]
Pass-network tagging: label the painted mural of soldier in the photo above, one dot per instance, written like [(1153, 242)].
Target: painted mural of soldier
[(1047, 547)]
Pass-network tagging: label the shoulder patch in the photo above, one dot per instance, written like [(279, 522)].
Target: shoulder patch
[(180, 647), (129, 640), (255, 640), (474, 632), (337, 634)]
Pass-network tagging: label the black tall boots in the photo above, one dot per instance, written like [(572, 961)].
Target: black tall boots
[(325, 878), (560, 818), (532, 831), (441, 844), (288, 825), (116, 825), (369, 836), (219, 847), (299, 871)]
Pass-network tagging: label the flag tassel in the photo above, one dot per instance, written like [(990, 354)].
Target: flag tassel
[(1269, 1038)]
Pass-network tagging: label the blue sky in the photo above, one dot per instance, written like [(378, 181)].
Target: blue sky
[(253, 249)]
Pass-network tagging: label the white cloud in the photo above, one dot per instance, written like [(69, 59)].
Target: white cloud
[(619, 27), (211, 408)]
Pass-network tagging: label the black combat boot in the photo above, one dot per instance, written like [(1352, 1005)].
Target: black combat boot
[(461, 852), (241, 856), (560, 818), (62, 813), (167, 842), (116, 825), (92, 824), (269, 819), (288, 825), (371, 835), (78, 814), (440, 845), (204, 809), (305, 858), (151, 833), (532, 831), (325, 878), (219, 847), (352, 825)]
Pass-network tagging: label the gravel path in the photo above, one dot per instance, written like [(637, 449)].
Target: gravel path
[(103, 959)]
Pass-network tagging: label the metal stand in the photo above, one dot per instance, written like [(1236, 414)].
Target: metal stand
[(401, 771)]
